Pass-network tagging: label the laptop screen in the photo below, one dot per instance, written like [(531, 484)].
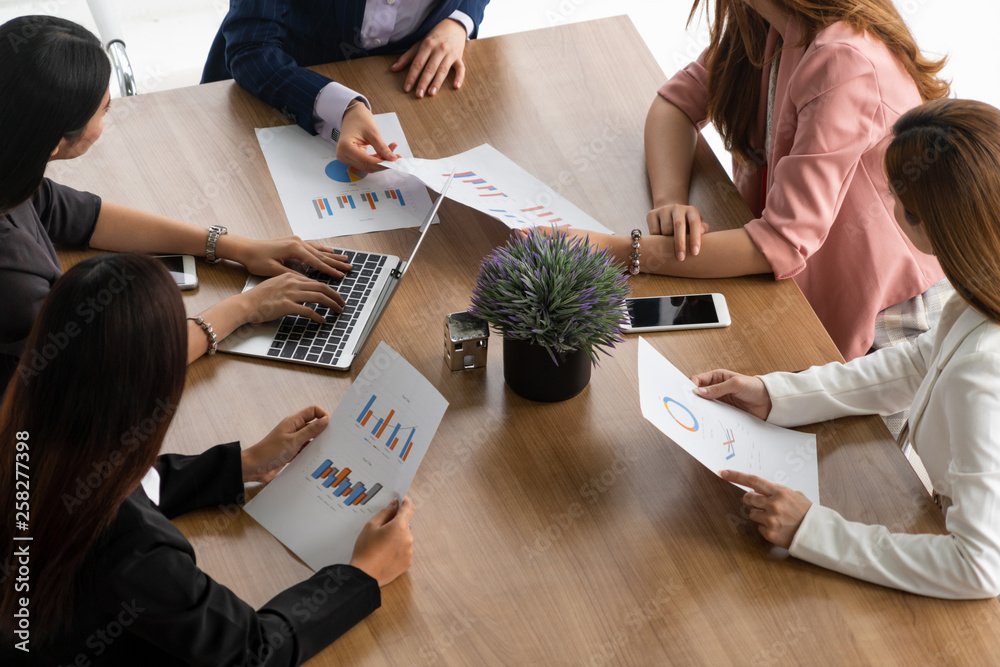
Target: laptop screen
[(425, 226)]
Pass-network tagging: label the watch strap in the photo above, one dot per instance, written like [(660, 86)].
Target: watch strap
[(214, 232)]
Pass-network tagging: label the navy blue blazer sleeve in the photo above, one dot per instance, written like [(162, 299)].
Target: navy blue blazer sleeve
[(257, 54), (265, 45), (474, 9)]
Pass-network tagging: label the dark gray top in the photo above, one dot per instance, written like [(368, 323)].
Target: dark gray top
[(29, 265)]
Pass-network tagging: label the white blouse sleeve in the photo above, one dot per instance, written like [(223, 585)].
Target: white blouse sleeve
[(880, 383)]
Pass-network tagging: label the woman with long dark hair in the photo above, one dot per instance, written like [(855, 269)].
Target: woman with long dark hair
[(804, 93), (944, 168), (54, 85), (107, 578)]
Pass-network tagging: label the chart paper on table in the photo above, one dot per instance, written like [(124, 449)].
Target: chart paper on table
[(490, 182), (720, 436), (323, 198), (367, 456)]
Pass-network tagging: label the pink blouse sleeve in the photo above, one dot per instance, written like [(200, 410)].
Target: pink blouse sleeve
[(836, 95), (688, 91)]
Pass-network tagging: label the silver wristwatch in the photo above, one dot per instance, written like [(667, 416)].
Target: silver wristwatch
[(214, 232)]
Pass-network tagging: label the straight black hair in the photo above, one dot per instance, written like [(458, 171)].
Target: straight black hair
[(53, 76), (97, 386)]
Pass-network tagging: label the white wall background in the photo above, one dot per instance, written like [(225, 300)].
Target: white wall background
[(168, 40)]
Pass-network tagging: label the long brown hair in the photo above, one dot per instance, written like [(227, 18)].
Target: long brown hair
[(92, 397), (735, 58), (944, 166)]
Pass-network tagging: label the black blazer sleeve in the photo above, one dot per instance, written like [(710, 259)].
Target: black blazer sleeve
[(183, 612), (212, 478), (147, 568)]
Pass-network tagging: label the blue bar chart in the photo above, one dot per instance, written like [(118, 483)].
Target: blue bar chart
[(369, 199), (338, 480), (380, 428), (730, 444)]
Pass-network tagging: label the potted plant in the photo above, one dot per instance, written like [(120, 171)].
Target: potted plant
[(557, 302)]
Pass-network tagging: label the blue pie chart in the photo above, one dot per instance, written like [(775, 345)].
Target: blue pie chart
[(340, 172)]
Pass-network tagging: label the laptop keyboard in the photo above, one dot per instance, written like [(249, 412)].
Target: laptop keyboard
[(301, 339)]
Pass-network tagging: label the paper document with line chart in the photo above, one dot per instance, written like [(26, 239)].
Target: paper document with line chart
[(490, 182), (367, 456), (324, 198), (720, 436)]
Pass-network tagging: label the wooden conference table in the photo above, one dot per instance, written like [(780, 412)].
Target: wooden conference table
[(572, 533)]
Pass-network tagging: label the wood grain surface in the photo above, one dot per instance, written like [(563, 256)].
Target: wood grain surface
[(571, 533)]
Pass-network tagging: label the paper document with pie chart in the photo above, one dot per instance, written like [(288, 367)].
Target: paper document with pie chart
[(720, 436), (323, 197)]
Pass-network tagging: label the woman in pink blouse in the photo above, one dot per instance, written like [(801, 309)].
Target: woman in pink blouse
[(808, 144)]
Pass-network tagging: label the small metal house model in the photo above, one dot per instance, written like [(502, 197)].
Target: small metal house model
[(466, 338)]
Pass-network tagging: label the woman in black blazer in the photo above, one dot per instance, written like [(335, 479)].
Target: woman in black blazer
[(106, 579)]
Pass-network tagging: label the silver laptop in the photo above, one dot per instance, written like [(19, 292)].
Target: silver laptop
[(366, 289)]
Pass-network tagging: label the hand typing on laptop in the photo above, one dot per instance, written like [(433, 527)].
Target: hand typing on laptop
[(336, 333), (271, 257), (290, 293)]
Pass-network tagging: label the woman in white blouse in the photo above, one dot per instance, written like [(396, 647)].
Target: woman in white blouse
[(944, 169)]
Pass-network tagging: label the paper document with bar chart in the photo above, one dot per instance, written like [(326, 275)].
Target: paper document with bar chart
[(490, 182), (324, 198), (367, 456)]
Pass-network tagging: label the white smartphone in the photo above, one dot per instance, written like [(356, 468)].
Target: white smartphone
[(182, 269), (677, 312)]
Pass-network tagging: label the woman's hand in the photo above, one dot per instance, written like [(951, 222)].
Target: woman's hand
[(745, 392), (287, 294), (384, 549), (679, 221), (267, 258), (433, 57), (262, 461), (358, 131), (778, 509)]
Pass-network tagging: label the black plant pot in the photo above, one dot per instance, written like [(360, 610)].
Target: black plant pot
[(529, 371)]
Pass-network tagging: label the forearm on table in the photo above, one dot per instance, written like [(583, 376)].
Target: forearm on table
[(225, 317), (670, 141), (126, 229), (724, 254)]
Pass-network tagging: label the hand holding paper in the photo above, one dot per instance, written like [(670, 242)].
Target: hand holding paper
[(263, 461), (328, 192), (342, 484), (384, 549), (720, 436), (740, 391), (359, 131), (778, 509)]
